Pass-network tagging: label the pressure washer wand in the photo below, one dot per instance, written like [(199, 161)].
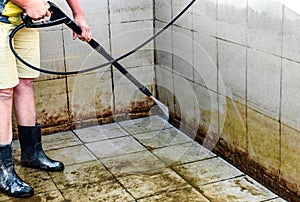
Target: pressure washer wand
[(71, 24), (59, 17), (96, 46), (101, 50)]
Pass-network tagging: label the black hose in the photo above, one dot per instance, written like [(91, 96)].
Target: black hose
[(166, 26)]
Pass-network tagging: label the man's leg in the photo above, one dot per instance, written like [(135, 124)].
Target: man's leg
[(8, 80), (24, 103), (32, 154), (6, 99), (10, 183)]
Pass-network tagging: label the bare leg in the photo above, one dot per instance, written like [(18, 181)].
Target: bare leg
[(11, 183), (24, 103), (32, 154), (6, 99)]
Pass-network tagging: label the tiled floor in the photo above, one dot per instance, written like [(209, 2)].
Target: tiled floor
[(137, 160)]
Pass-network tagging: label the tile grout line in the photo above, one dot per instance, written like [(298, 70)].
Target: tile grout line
[(108, 170)]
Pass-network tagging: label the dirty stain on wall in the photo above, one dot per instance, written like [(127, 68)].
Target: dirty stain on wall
[(241, 61)]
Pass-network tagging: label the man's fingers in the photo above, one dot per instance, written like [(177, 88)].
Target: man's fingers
[(48, 13)]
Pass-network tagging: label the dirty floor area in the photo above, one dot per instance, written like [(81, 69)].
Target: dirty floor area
[(139, 160)]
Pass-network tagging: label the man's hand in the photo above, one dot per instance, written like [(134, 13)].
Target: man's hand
[(79, 19), (86, 34), (36, 9)]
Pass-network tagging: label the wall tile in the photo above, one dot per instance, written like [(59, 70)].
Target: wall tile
[(290, 106), (264, 140), (186, 21), (125, 11), (51, 50), (90, 96), (290, 161), (265, 25), (164, 46), (291, 36), (232, 68), (165, 86), (233, 125), (207, 115), (128, 98), (163, 10), (183, 52), (205, 17), (97, 14), (79, 55), (232, 20), (185, 99), (51, 102), (263, 82), (205, 60), (127, 36)]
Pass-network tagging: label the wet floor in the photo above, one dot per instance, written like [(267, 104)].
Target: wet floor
[(139, 160)]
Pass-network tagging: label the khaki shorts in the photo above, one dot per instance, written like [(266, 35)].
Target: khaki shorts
[(26, 44)]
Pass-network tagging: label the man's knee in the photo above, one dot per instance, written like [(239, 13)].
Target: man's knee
[(24, 85), (6, 94), (25, 82)]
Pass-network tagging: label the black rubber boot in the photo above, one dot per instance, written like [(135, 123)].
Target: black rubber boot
[(10, 183), (32, 154)]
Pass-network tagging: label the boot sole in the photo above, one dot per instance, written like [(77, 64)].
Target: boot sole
[(44, 169), (27, 195)]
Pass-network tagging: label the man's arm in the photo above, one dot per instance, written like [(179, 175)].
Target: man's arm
[(79, 19)]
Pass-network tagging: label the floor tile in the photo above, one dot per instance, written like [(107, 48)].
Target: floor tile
[(115, 147), (83, 173), (54, 141), (134, 163), (59, 140), (71, 155), (183, 195), (53, 196), (162, 138), (207, 171), (144, 125), (5, 198), (101, 132), (108, 191), (183, 153), (154, 182), (237, 189), (39, 180)]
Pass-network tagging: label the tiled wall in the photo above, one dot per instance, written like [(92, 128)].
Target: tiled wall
[(104, 95), (229, 72)]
